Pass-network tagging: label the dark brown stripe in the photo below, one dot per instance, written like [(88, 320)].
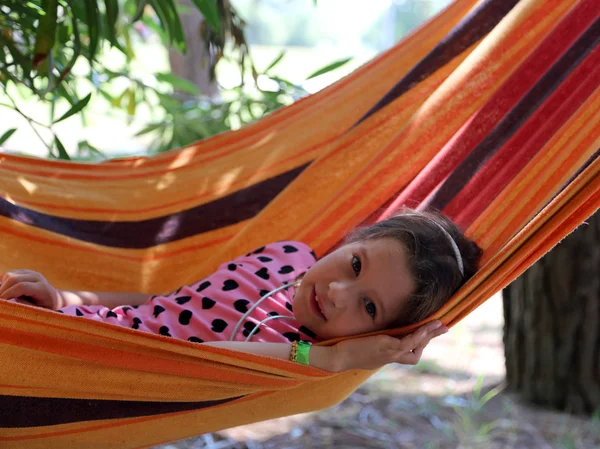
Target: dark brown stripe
[(22, 411), (511, 123), (226, 211), (469, 30)]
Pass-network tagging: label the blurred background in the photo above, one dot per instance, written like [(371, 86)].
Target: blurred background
[(284, 42), (127, 77)]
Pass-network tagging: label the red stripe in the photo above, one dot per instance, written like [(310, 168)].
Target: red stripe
[(484, 120), (529, 139)]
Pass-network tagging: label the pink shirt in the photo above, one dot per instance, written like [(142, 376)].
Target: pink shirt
[(209, 309)]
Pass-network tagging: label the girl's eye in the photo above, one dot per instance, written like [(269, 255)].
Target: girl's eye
[(356, 265), (371, 308)]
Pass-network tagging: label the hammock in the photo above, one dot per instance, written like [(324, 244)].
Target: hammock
[(495, 121)]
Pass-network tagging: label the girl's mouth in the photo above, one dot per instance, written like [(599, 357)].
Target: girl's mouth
[(316, 305)]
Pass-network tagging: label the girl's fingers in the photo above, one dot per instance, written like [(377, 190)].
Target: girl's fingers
[(413, 340), (409, 358), (6, 285), (421, 339), (11, 278), (31, 275), (19, 289), (441, 331)]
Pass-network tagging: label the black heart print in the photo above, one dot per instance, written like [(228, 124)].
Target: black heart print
[(264, 259), (218, 325), (312, 253), (195, 340), (231, 267), (157, 311), (185, 317), (258, 250), (164, 330), (241, 305), (202, 286), (289, 306), (230, 284), (264, 292), (182, 299), (263, 273), (249, 327), (136, 323), (289, 249), (78, 312), (208, 303), (292, 336), (111, 314), (307, 331), (286, 269), (273, 314), (126, 309)]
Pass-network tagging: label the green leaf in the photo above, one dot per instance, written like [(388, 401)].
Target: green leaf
[(149, 129), (179, 83), (168, 102), (108, 97), (150, 23), (111, 17), (131, 104), (92, 15), (45, 35), (168, 16), (75, 109), (141, 5), (7, 135), (329, 67), (128, 50), (85, 145), (210, 11), (275, 61), (63, 92), (62, 153)]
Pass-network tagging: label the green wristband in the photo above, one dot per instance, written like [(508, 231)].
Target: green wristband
[(303, 351)]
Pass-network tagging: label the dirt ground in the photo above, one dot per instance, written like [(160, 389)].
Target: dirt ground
[(454, 398)]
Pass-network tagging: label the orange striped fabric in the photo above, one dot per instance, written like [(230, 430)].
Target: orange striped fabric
[(489, 112)]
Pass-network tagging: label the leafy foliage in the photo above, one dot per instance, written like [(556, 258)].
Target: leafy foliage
[(53, 50)]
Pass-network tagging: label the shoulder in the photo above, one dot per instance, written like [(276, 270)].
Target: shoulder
[(288, 255), (286, 249)]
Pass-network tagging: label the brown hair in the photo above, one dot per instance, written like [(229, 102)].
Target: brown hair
[(432, 259)]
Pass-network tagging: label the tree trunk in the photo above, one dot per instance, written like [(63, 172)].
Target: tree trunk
[(552, 320), (189, 66)]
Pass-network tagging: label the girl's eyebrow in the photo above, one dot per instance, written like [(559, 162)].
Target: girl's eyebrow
[(363, 252)]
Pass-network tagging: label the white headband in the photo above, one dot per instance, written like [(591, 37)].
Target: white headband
[(450, 239)]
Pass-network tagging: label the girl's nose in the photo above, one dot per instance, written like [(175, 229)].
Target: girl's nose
[(338, 294)]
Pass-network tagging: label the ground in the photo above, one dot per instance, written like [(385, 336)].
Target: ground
[(454, 398)]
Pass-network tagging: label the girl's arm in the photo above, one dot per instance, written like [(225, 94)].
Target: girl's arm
[(371, 352), (322, 357), (106, 299), (37, 290)]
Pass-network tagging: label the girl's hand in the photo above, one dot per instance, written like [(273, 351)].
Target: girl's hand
[(33, 286), (379, 350)]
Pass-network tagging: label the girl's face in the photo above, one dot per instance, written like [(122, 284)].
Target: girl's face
[(359, 288)]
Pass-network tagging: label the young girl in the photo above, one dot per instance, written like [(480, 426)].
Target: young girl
[(278, 299)]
